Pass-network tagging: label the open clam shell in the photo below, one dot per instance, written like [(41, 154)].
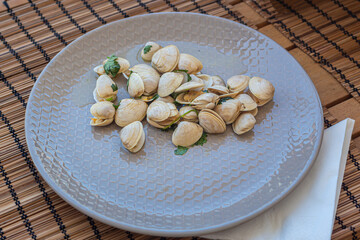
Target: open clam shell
[(169, 82), (261, 88), (103, 113), (186, 134), (244, 123), (151, 48), (136, 86), (218, 89), (237, 83), (190, 116), (189, 86), (133, 136), (130, 110), (229, 110), (211, 121), (149, 76), (206, 100), (166, 59), (248, 102), (158, 111), (189, 63), (105, 87)]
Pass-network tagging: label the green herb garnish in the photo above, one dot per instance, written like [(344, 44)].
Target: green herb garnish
[(222, 100), (147, 49), (185, 71), (112, 66), (177, 119), (156, 96), (181, 150), (205, 91), (110, 99), (202, 140), (116, 106), (114, 87)]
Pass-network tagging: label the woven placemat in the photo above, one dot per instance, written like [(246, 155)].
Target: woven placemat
[(33, 32)]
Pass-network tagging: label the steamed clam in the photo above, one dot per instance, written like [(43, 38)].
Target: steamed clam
[(161, 114), (167, 99), (169, 82), (149, 76), (244, 123), (106, 89), (103, 113), (188, 114), (229, 110), (148, 51), (136, 86), (248, 103), (133, 136), (218, 89), (189, 63), (261, 90), (130, 110), (192, 85), (206, 100), (211, 121), (237, 83), (186, 134), (188, 97), (217, 80), (113, 66), (166, 59)]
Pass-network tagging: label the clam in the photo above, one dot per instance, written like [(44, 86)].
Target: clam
[(113, 70), (211, 121), (160, 114), (186, 134), (149, 76), (148, 51), (218, 89), (229, 110), (188, 97), (217, 80), (189, 86), (248, 103), (261, 90), (254, 112), (167, 99), (206, 100), (106, 89), (130, 110), (99, 70), (237, 83), (149, 98), (169, 82), (166, 59), (135, 85), (189, 63), (103, 113), (207, 80), (244, 123), (188, 114), (133, 136)]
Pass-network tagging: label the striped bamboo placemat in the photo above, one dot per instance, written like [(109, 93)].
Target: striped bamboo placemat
[(33, 32)]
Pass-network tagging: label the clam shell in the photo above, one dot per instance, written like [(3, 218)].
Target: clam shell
[(168, 83), (248, 103), (261, 88), (217, 80), (97, 98), (254, 112), (218, 89), (189, 86), (147, 98), (154, 124), (154, 48), (103, 110), (149, 76), (133, 136), (244, 123), (103, 87), (229, 110), (232, 95), (237, 83), (206, 100), (188, 97), (100, 122), (99, 70), (158, 111), (166, 59), (136, 85), (211, 121), (130, 110), (189, 63), (167, 99), (124, 64), (186, 134), (207, 80), (191, 116), (258, 101)]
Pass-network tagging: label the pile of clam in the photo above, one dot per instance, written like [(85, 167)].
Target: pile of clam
[(172, 92)]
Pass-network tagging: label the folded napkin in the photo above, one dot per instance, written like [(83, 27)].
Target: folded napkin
[(309, 211)]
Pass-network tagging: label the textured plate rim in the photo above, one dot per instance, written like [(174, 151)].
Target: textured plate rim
[(171, 233)]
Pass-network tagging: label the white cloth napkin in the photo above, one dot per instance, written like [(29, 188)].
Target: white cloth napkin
[(309, 211)]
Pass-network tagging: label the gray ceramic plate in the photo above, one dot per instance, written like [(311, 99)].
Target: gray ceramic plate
[(227, 181)]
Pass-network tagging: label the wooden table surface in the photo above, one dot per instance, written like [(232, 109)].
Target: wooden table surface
[(338, 101)]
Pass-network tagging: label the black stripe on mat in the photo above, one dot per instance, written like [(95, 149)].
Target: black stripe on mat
[(12, 89), (16, 19), (353, 15), (320, 58), (144, 6), (333, 21), (16, 55), (334, 44), (63, 9), (119, 9), (343, 226), (46, 22), (171, 5), (2, 235), (231, 13), (198, 7), (130, 235), (88, 6), (94, 228), (36, 176)]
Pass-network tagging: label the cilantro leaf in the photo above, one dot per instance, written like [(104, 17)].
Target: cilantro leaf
[(202, 140), (185, 71), (114, 87), (222, 100), (181, 150), (156, 96), (116, 106), (205, 91), (147, 49), (178, 118), (112, 66), (110, 99)]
